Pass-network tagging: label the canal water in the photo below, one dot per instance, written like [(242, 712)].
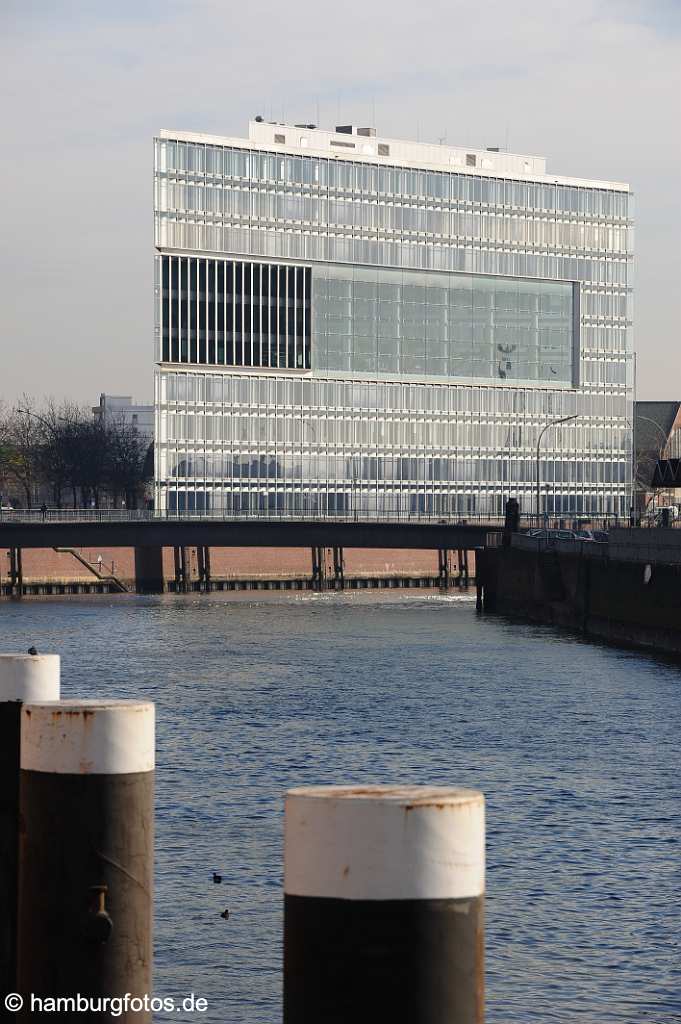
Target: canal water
[(576, 747)]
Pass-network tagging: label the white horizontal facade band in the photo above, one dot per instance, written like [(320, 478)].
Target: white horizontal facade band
[(29, 677), (88, 737), (384, 842)]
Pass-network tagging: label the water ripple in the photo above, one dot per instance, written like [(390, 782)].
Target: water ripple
[(575, 746)]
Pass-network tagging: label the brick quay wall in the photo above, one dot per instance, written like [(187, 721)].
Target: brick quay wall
[(46, 567)]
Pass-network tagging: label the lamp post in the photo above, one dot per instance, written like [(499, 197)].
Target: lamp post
[(53, 430), (354, 489), (553, 423), (506, 454)]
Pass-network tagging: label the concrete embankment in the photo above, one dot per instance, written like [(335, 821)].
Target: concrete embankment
[(627, 592), (45, 571)]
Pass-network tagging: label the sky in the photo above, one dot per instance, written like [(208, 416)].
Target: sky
[(593, 85)]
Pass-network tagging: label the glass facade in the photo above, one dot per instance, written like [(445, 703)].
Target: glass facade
[(236, 313), (228, 200), (246, 442), (414, 324), (437, 321)]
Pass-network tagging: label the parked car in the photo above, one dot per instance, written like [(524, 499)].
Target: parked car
[(594, 536), (553, 534)]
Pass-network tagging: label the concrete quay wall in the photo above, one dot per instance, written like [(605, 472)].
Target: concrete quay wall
[(656, 545), (632, 603)]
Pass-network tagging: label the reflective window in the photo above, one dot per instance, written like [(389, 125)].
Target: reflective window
[(442, 325)]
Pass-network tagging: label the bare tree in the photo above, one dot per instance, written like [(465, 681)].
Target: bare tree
[(126, 461), (21, 435), (62, 448)]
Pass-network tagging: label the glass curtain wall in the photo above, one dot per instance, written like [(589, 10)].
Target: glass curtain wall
[(383, 322), (410, 323), (255, 443)]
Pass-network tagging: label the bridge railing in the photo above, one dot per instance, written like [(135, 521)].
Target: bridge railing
[(86, 515), (119, 515)]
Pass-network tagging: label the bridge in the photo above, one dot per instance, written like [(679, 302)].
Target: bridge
[(149, 532), (118, 528)]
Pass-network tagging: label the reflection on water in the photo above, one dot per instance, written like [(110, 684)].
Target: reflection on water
[(575, 746)]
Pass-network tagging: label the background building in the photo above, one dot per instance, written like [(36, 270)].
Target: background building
[(123, 409), (350, 322), (657, 460)]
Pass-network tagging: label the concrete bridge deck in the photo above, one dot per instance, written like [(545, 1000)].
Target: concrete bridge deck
[(150, 530)]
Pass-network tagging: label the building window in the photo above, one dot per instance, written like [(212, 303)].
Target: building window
[(471, 160), (235, 313), (383, 149), (280, 139)]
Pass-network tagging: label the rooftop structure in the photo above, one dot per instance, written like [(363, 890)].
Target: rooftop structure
[(363, 144)]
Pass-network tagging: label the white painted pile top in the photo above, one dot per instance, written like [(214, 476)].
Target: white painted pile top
[(88, 737), (29, 677), (408, 795), (384, 842)]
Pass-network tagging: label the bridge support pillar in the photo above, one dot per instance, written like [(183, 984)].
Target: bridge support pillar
[(328, 564), (463, 566), (203, 562), (16, 573), (149, 570), (183, 570), (443, 567), (338, 567), (485, 580), (318, 573)]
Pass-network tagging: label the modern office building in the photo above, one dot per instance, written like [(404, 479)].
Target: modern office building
[(346, 321)]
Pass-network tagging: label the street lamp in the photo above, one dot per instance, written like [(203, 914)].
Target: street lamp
[(506, 454), (553, 423), (51, 428), (35, 416), (41, 419)]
